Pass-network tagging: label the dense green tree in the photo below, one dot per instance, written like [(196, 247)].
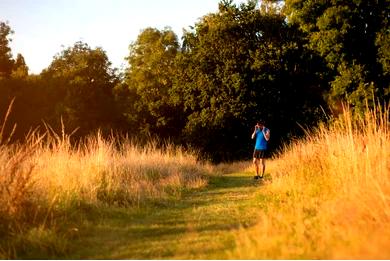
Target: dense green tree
[(239, 65), (149, 80), (383, 43), (14, 86), (82, 83), (33, 104), (352, 36), (6, 61)]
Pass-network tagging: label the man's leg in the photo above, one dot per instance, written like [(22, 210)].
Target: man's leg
[(256, 163), (262, 161)]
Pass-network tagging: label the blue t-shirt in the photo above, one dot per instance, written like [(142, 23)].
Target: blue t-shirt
[(261, 142)]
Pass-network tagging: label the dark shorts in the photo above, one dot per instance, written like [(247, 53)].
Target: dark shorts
[(260, 154)]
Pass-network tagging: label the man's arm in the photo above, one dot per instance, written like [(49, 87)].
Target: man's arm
[(254, 134), (267, 134)]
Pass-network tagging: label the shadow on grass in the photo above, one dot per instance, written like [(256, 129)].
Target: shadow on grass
[(236, 181), (200, 224)]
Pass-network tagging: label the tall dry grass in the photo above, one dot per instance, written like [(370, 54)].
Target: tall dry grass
[(114, 171), (329, 197), (46, 179)]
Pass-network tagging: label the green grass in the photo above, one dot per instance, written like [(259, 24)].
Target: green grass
[(200, 225)]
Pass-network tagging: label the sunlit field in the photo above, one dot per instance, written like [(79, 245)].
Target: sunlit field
[(324, 197), (329, 197), (149, 155), (46, 181)]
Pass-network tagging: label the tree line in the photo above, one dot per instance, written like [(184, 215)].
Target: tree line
[(287, 62)]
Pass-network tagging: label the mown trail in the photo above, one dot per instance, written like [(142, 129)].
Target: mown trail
[(202, 225)]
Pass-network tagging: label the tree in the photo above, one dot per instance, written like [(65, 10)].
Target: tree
[(20, 69), (383, 44), (6, 61), (149, 79), (352, 37), (15, 85), (239, 65), (83, 82)]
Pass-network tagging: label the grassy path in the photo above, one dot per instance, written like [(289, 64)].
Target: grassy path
[(201, 225)]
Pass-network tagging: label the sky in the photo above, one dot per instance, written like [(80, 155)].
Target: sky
[(43, 28)]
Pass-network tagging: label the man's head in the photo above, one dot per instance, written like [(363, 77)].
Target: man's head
[(260, 124)]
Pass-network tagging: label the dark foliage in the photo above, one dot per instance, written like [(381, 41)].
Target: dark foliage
[(286, 64)]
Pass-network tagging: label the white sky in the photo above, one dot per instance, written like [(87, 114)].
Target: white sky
[(44, 27)]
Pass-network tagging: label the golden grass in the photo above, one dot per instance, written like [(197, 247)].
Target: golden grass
[(46, 182), (329, 197), (98, 171), (46, 177)]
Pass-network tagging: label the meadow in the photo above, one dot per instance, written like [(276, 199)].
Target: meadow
[(330, 195), (46, 184), (326, 196)]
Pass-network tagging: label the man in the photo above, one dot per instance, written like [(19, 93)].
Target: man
[(262, 135)]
